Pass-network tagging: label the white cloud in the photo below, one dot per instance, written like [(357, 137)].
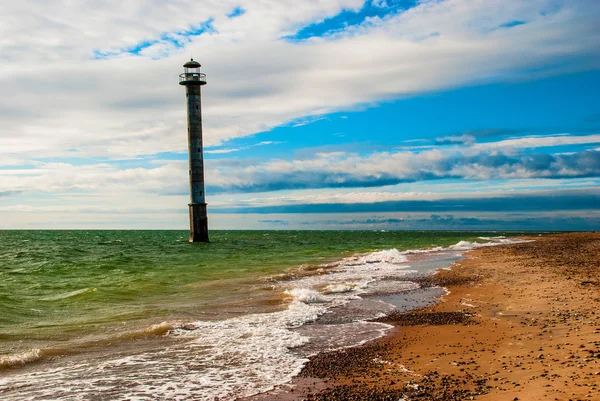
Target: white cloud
[(57, 98), (463, 139), (400, 193), (323, 170), (222, 151), (531, 142), (231, 150), (64, 177)]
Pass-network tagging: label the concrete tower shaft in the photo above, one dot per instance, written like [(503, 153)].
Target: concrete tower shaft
[(196, 157), (193, 80)]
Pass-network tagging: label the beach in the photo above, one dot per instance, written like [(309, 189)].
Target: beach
[(378, 316), (520, 322)]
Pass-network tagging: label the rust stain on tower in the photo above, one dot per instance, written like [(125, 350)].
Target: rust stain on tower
[(193, 80)]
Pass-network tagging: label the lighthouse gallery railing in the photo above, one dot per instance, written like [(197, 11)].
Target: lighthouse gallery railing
[(192, 76)]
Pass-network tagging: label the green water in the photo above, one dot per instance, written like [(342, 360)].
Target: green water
[(60, 285)]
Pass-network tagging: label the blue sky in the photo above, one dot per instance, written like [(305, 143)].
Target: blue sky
[(349, 114), (548, 106)]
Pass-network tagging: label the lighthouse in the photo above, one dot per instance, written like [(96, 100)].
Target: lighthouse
[(193, 80)]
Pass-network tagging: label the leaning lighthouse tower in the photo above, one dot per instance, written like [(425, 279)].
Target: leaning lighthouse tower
[(193, 80)]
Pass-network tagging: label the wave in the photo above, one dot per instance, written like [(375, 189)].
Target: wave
[(467, 245), (159, 329), (491, 241), (34, 355), (71, 294), (114, 242), (385, 256), (338, 288), (307, 295), (13, 360)]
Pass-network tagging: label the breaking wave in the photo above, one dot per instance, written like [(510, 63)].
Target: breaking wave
[(9, 361)]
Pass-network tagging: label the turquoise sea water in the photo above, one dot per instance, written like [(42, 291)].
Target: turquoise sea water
[(72, 289)]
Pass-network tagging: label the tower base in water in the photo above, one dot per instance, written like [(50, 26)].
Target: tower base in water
[(198, 222)]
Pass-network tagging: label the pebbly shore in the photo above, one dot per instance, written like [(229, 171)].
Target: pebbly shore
[(520, 322)]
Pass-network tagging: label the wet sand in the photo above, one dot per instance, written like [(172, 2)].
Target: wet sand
[(521, 322)]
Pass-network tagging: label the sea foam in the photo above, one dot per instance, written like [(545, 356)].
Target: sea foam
[(307, 295), (338, 288), (22, 358), (70, 294)]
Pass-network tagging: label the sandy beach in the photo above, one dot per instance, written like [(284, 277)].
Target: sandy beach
[(520, 322)]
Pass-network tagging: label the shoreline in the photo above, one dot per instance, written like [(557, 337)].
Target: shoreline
[(317, 309), (519, 322)]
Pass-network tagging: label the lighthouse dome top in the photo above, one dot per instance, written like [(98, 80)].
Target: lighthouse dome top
[(192, 64), (192, 74)]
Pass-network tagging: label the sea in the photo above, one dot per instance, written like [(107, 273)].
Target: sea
[(145, 315)]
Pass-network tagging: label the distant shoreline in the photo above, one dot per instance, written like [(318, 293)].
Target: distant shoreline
[(520, 322)]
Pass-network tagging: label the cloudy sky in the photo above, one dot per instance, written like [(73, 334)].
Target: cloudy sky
[(387, 114)]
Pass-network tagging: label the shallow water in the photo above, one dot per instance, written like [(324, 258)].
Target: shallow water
[(146, 315)]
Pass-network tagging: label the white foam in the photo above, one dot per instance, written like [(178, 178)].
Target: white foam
[(70, 294), (463, 246), (339, 288), (421, 251), (22, 358), (160, 328), (307, 295), (467, 245), (347, 279), (216, 360), (385, 256), (492, 241)]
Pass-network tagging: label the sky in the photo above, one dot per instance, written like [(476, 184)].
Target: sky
[(319, 114)]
